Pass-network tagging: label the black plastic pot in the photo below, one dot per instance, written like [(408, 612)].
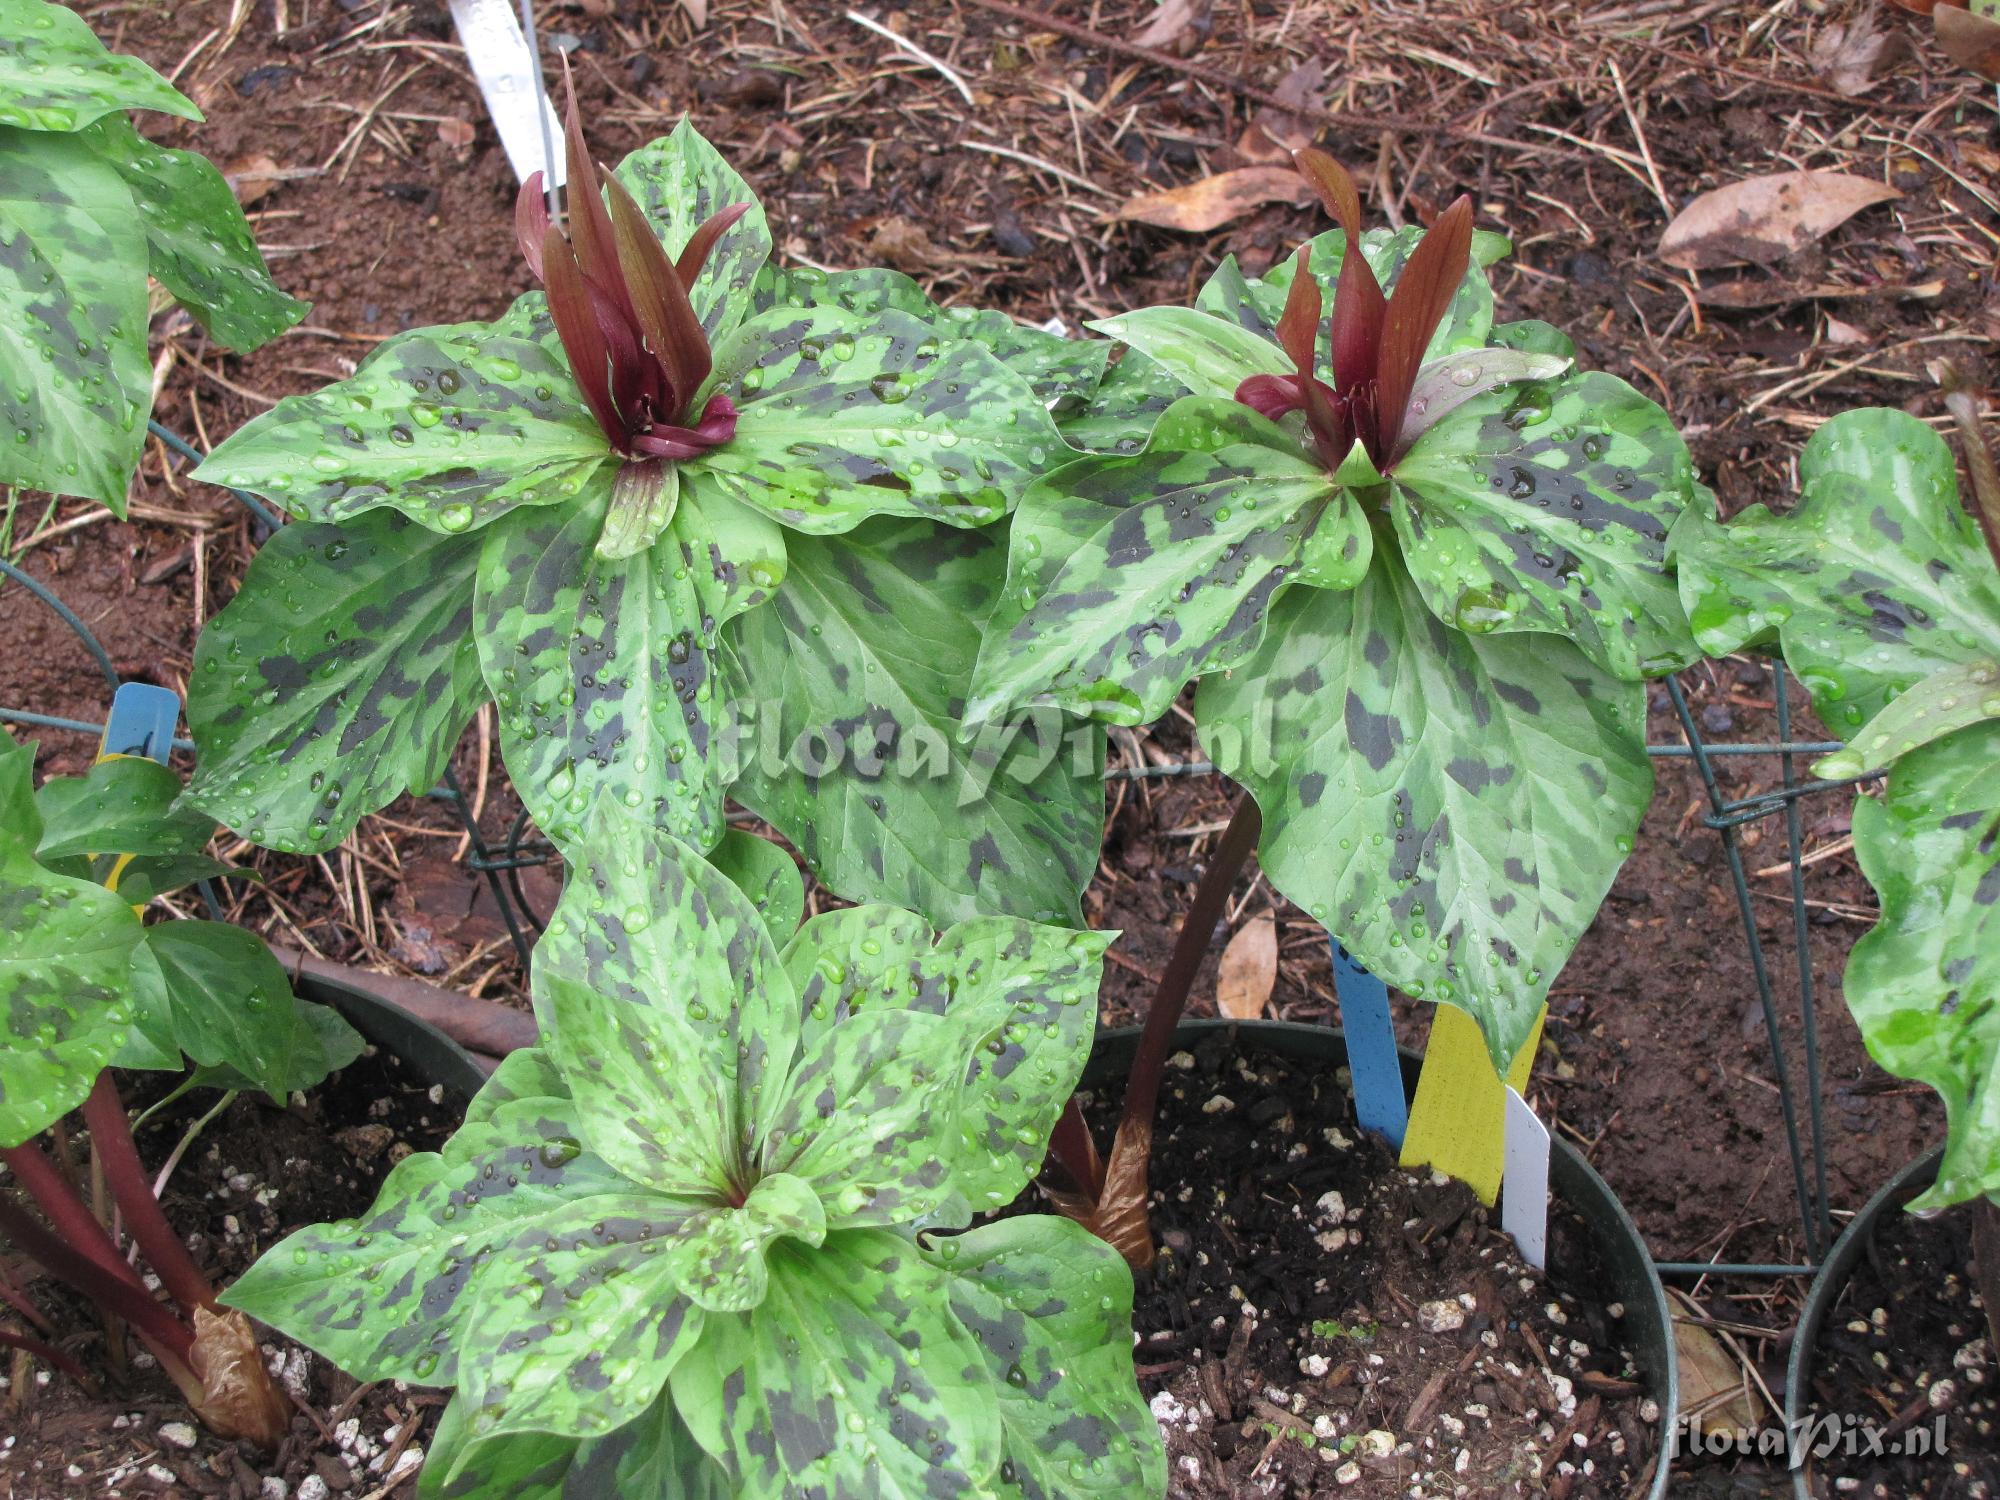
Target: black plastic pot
[(429, 1052), (1632, 1278), (1832, 1280)]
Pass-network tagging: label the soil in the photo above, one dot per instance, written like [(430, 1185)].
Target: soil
[(254, 1174), (1320, 1320), (392, 208), (1906, 1347)]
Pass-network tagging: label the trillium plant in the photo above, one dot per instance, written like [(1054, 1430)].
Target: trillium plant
[(1883, 595), (88, 208), (1418, 564), (686, 520), (86, 987), (711, 1236)]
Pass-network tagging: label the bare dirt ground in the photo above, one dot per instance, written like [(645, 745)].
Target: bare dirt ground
[(1579, 127)]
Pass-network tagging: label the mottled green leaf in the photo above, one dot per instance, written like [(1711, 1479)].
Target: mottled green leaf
[(852, 685), (384, 1295), (1211, 356), (452, 426), (75, 386), (1022, 998), (845, 416), (653, 1455), (201, 246), (1948, 700), (603, 671), (524, 1073), (1453, 807), (1130, 400), (1050, 1306), (676, 1067), (232, 1006), (1129, 576), (65, 965), (1876, 580), (1062, 372), (852, 1381), (55, 75), (765, 873), (124, 805), (1545, 506), (1924, 982), (338, 678), (680, 181)]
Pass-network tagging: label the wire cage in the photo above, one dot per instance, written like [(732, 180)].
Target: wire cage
[(500, 865)]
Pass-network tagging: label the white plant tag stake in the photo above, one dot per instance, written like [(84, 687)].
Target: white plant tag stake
[(506, 71), (1524, 1182)]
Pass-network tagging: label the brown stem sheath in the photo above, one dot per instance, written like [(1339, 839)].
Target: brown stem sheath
[(111, 1135), (1985, 506)]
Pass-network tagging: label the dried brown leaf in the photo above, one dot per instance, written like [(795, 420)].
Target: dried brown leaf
[(1201, 206), (1118, 1216), (1970, 40), (253, 177), (1716, 1392), (1764, 219), (456, 133), (238, 1399), (1851, 57), (1169, 27), (1249, 970)]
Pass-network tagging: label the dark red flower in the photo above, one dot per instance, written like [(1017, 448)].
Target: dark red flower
[(621, 307), (1378, 343)]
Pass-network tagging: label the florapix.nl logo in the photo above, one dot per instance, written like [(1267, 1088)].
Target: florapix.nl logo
[(1823, 1435)]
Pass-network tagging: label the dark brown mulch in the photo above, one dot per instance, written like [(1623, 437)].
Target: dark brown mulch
[(1320, 1320)]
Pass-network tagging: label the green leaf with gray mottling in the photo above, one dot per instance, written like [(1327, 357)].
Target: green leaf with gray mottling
[(845, 416), (65, 990), (338, 678), (852, 685), (384, 1295), (603, 671), (1545, 506), (55, 75), (1873, 582), (1022, 997), (680, 181), (577, 1328), (652, 1455), (1134, 394), (1049, 1305), (765, 873), (1129, 576), (667, 973), (853, 1381), (201, 246), (1453, 807), (75, 386), (453, 426), (1211, 356), (1924, 982), (1950, 699)]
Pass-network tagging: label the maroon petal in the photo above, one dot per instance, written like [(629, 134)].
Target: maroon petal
[(1272, 396), (531, 221), (694, 255), (1335, 187), (1298, 326), (717, 426), (589, 223), (582, 340), (1424, 293), (665, 316)]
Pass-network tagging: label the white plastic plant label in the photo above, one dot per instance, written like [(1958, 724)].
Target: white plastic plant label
[(505, 70), (1524, 1182)]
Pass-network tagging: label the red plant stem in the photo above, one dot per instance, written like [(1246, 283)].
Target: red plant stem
[(1142, 1087), (17, 1299), (1985, 506), (73, 1221), (124, 1295), (111, 1135), (48, 1354)]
